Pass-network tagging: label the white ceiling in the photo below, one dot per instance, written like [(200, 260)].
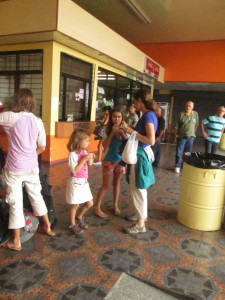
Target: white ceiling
[(171, 20)]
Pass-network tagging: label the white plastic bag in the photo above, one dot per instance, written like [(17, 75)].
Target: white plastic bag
[(129, 155)]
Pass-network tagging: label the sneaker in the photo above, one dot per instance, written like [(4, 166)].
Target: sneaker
[(134, 229), (82, 223), (177, 170), (132, 218), (76, 229)]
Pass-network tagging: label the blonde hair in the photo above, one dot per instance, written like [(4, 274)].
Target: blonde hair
[(76, 139), (24, 101)]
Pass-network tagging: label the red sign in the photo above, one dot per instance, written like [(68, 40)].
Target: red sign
[(151, 68)]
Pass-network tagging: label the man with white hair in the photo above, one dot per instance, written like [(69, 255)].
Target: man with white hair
[(185, 129), (215, 128)]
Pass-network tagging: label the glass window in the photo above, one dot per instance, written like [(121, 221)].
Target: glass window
[(105, 97), (7, 84), (21, 69), (74, 100), (34, 83), (75, 67), (7, 62), (30, 61)]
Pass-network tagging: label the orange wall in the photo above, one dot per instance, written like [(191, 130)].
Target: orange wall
[(190, 61), (57, 151), (55, 148)]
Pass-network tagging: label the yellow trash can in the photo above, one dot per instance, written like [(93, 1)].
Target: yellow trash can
[(222, 142), (202, 198)]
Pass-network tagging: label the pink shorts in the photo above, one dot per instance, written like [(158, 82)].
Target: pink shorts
[(110, 167)]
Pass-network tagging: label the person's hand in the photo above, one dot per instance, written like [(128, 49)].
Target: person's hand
[(128, 129), (89, 156), (205, 135), (115, 128)]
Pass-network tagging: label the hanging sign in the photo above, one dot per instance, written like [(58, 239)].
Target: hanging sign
[(151, 68)]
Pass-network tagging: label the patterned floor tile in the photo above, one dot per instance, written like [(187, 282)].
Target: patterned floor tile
[(73, 264), (162, 254), (83, 291), (157, 214), (175, 228), (121, 260), (66, 242), (74, 267), (167, 201), (106, 237), (219, 271), (22, 275), (199, 248)]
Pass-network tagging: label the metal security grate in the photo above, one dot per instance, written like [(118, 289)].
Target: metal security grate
[(21, 69)]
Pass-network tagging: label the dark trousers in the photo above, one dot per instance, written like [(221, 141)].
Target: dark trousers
[(183, 145), (210, 147), (156, 151)]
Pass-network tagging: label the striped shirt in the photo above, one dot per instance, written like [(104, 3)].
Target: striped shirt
[(215, 126)]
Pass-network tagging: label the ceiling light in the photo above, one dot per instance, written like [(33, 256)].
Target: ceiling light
[(140, 15)]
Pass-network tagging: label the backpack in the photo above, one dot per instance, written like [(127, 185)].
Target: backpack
[(47, 196)]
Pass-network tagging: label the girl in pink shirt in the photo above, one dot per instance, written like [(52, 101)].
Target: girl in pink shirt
[(78, 190), (26, 139)]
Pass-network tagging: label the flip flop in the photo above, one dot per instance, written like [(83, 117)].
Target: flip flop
[(101, 215), (6, 246), (50, 233)]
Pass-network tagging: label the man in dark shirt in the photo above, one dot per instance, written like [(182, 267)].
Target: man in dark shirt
[(158, 135)]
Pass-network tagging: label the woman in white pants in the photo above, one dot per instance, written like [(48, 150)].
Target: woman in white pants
[(26, 139), (140, 175)]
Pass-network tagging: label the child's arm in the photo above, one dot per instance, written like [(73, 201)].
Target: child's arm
[(84, 159)]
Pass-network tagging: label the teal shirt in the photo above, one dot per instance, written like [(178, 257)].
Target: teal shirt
[(215, 126), (112, 154), (144, 175)]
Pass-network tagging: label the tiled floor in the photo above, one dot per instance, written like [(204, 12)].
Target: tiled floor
[(168, 255)]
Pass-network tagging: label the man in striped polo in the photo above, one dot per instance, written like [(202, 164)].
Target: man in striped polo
[(215, 127)]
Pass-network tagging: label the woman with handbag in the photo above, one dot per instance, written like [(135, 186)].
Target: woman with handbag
[(140, 175)]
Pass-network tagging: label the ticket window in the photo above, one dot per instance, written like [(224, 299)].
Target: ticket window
[(75, 89)]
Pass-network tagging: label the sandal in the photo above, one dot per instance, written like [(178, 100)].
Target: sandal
[(41, 230), (6, 246)]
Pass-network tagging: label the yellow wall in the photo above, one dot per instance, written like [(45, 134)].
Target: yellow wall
[(56, 147), (17, 16), (75, 22)]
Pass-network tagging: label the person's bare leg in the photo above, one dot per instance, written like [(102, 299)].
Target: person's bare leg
[(46, 226), (15, 243), (84, 209), (100, 151), (101, 194), (141, 222), (73, 210), (116, 192)]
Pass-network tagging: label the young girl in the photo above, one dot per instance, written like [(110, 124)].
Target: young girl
[(26, 139), (113, 138), (78, 190)]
